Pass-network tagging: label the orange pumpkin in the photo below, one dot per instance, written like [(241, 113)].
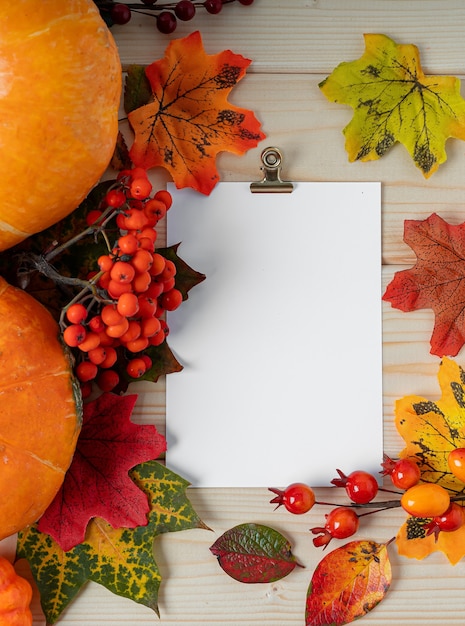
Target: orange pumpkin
[(15, 597), (60, 86), (40, 409)]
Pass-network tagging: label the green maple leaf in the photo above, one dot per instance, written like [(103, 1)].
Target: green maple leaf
[(394, 101), (122, 559)]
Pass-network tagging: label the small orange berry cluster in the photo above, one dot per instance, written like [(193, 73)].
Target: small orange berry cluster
[(136, 286)]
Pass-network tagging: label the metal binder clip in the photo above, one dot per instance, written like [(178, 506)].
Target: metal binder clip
[(272, 183)]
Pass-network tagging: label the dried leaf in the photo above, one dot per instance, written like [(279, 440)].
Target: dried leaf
[(122, 560), (431, 430), (253, 553), (394, 101), (186, 276), (348, 583), (437, 280), (412, 542), (97, 483), (190, 119)]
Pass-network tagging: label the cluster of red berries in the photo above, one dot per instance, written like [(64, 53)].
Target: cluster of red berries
[(134, 284), (167, 14), (429, 504)]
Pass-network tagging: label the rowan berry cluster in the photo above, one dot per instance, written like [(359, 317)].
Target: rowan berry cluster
[(431, 507), (120, 315)]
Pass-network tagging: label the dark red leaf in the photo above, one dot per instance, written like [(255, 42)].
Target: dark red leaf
[(97, 483), (253, 553)]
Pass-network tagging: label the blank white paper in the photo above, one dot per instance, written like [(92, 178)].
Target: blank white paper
[(282, 343)]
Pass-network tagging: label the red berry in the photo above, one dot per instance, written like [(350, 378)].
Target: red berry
[(360, 486), (86, 371), (115, 198), (297, 498), (246, 2), (136, 367), (76, 313), (171, 299), (450, 520), (341, 522), (166, 22), (107, 380), (213, 6), (403, 473), (93, 217), (120, 13), (184, 10)]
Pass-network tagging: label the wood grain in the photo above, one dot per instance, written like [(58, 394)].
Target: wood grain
[(294, 44)]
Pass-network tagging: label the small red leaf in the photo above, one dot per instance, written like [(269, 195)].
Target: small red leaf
[(97, 483), (253, 553), (348, 583)]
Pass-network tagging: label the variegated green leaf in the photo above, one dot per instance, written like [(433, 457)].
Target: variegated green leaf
[(120, 559)]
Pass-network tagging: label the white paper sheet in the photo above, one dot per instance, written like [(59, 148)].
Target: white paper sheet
[(282, 343)]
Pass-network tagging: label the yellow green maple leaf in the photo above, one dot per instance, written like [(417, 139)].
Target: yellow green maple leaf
[(431, 430), (394, 101), (120, 559)]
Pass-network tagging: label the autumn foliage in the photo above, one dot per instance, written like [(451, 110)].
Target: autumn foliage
[(189, 120)]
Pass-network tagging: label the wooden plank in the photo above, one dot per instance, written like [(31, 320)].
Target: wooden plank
[(311, 35)]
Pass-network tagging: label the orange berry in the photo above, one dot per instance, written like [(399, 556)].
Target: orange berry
[(137, 345), (74, 335), (105, 262), (118, 330), (456, 462), (122, 272), (91, 341), (110, 358), (164, 196), (141, 282), (133, 332), (128, 304), (425, 500), (110, 315), (116, 289), (158, 264), (128, 244), (76, 313), (97, 355), (136, 367), (142, 260), (140, 187), (150, 326)]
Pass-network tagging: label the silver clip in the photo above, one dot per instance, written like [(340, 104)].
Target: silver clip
[(272, 183)]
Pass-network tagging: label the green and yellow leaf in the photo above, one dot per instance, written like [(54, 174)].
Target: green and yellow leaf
[(121, 560), (394, 101)]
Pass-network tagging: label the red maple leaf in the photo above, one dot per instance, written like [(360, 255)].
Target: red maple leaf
[(437, 280), (97, 483), (190, 119)]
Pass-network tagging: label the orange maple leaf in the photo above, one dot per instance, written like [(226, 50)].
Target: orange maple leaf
[(190, 119), (431, 430)]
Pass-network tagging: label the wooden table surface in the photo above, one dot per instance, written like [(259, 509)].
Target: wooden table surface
[(293, 45)]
